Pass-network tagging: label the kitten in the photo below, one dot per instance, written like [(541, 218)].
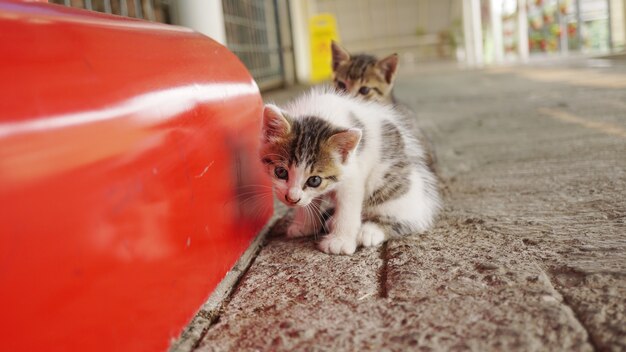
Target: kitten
[(327, 144), (364, 75)]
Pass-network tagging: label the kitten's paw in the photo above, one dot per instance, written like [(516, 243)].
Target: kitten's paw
[(370, 235), (334, 244), (296, 230)]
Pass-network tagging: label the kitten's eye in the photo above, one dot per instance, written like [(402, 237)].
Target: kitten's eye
[(341, 85), (281, 173), (364, 90), (314, 181)]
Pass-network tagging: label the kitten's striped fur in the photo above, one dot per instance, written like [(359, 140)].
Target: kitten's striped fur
[(352, 72), (364, 74), (368, 163)]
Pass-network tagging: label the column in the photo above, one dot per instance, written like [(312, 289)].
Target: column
[(204, 16), (522, 31), (495, 15), (301, 10), (473, 36)]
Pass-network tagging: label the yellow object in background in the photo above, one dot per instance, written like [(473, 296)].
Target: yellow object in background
[(322, 29)]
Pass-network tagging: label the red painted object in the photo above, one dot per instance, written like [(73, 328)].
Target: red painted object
[(128, 177)]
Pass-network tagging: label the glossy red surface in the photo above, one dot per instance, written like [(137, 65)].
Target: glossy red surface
[(128, 177)]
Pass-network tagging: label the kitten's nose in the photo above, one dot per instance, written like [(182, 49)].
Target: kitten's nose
[(291, 201)]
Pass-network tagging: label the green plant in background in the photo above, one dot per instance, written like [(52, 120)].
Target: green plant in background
[(544, 28), (456, 32), (537, 41), (420, 31), (555, 30)]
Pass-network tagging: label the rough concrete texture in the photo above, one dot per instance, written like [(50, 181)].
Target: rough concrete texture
[(210, 310), (529, 253)]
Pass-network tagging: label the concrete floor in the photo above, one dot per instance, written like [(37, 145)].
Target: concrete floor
[(528, 255)]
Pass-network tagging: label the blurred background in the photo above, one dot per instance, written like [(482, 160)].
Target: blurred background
[(283, 42)]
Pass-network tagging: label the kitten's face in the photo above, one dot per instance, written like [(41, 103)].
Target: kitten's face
[(306, 157), (364, 75)]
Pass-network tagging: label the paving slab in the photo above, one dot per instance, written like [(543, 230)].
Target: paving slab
[(529, 253)]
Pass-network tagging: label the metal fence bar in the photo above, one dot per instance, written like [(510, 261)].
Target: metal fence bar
[(150, 10), (123, 8), (252, 34), (138, 9), (579, 27), (610, 25), (279, 40)]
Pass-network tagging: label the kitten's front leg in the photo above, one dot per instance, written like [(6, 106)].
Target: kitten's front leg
[(306, 221), (346, 222)]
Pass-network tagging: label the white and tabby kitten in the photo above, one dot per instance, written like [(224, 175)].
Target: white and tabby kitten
[(355, 152)]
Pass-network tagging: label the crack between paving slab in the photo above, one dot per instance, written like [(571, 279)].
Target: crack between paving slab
[(382, 274), (215, 314), (208, 318), (577, 315), (567, 305), (210, 312)]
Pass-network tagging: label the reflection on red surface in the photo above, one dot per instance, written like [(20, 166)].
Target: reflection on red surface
[(128, 179)]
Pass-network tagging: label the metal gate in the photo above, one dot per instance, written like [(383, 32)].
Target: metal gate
[(151, 10), (257, 31), (252, 33)]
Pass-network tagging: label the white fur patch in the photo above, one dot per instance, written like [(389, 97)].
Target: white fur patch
[(370, 235)]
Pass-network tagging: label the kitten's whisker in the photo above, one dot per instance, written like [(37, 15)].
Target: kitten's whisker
[(252, 186), (253, 189), (310, 215), (243, 198), (318, 218), (253, 198), (316, 213), (244, 194), (255, 207), (259, 210), (272, 154)]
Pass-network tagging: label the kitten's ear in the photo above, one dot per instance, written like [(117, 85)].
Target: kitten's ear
[(339, 54), (345, 142), (389, 66), (275, 124)]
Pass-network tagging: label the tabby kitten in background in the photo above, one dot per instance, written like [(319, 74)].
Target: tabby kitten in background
[(364, 75), (356, 153)]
